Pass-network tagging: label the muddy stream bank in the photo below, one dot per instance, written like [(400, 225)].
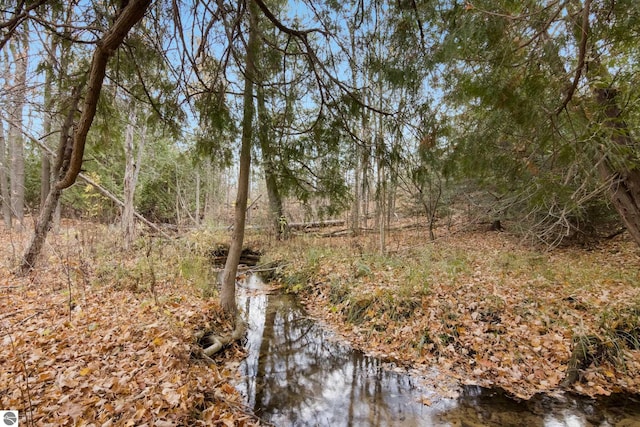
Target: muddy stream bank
[(297, 373)]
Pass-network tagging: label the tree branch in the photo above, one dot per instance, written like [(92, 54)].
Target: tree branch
[(19, 17), (581, 57), (106, 47), (302, 35), (88, 180)]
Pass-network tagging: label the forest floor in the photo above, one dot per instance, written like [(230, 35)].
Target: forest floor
[(483, 307), (96, 335), (100, 336)]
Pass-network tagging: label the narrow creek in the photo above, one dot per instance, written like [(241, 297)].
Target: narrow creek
[(297, 373)]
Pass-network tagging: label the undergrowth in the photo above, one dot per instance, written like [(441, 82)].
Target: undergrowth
[(484, 303)]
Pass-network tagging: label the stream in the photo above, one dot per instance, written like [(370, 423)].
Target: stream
[(297, 373)]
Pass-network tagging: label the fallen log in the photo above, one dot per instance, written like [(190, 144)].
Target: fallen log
[(315, 224), (249, 257)]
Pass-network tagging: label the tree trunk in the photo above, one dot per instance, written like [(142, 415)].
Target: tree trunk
[(197, 213), (366, 165), (19, 47), (625, 181), (133, 162), (43, 221), (273, 193), (4, 180), (71, 149), (381, 199), (45, 170), (355, 209), (622, 173), (127, 220), (210, 186), (357, 168), (42, 227), (228, 293), (45, 176)]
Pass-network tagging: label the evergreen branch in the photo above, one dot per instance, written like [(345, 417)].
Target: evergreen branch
[(18, 19), (584, 34), (106, 47), (546, 25), (302, 35)]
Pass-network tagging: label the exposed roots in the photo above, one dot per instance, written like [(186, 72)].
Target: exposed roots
[(212, 343)]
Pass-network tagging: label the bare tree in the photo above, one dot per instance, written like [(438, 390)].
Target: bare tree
[(4, 179), (19, 47), (133, 162)]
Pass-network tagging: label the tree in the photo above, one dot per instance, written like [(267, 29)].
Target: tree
[(529, 124), (619, 151), (265, 136), (19, 46), (268, 70), (71, 146), (228, 294), (4, 180), (133, 163)]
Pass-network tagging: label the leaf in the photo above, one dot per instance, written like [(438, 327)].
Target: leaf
[(73, 410), (228, 388), (46, 376), (171, 396)]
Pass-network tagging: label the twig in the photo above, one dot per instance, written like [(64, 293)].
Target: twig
[(6, 316), (582, 49), (29, 317), (152, 272)]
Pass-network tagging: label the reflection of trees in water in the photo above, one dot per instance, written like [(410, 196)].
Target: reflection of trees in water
[(303, 377), (479, 406)]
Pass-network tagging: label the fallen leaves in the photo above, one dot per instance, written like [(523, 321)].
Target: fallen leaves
[(106, 354), (494, 313)]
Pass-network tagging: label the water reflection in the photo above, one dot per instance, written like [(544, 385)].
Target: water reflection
[(297, 374)]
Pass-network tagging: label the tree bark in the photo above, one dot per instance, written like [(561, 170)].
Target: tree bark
[(197, 213), (133, 162), (357, 168), (45, 170), (228, 293), (210, 185), (621, 173), (46, 211), (71, 150), (273, 193), (105, 48), (19, 47), (5, 193), (625, 181)]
